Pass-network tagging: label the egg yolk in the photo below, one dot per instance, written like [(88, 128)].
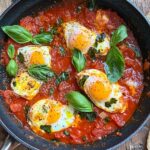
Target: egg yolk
[(98, 91), (37, 58), (53, 114)]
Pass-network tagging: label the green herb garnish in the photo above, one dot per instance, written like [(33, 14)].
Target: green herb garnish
[(112, 101), (62, 51), (84, 138), (89, 116), (51, 91), (26, 111), (62, 77), (115, 63), (79, 101), (82, 81), (46, 128), (107, 119), (20, 58), (78, 60), (59, 21), (66, 132), (92, 53), (41, 72), (91, 4)]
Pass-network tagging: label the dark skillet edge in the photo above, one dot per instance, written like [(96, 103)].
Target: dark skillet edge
[(112, 148)]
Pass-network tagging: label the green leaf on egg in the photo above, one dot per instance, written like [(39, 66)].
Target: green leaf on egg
[(46, 128)]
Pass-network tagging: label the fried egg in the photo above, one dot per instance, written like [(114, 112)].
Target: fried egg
[(78, 36), (47, 112), (105, 95), (25, 86), (35, 54)]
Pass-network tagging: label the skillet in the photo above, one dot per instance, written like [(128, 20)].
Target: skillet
[(141, 30)]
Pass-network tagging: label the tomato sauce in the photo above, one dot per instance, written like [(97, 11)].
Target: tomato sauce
[(86, 131)]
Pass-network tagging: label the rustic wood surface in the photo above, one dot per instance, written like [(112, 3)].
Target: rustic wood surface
[(138, 141)]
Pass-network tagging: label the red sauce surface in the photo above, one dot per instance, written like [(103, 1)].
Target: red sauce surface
[(133, 70)]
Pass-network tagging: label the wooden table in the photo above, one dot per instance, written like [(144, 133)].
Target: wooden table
[(137, 142)]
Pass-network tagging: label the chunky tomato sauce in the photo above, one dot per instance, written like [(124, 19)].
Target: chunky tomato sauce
[(67, 11)]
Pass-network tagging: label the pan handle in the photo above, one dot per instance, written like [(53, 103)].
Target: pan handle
[(9, 144)]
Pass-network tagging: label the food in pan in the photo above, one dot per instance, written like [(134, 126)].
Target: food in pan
[(75, 70)]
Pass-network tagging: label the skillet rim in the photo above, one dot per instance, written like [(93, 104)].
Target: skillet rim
[(113, 147)]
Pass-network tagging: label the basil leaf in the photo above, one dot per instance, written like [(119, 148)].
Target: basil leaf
[(89, 116), (12, 68), (18, 33), (20, 58), (91, 4), (62, 77), (115, 64), (11, 51), (119, 35), (43, 38), (82, 81), (46, 128), (78, 60), (92, 53), (40, 72), (79, 101)]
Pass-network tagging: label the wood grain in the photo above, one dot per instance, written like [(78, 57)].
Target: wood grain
[(138, 141)]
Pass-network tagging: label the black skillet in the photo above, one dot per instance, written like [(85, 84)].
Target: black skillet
[(141, 29)]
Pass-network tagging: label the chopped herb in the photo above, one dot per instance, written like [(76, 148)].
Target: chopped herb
[(14, 84), (100, 37), (62, 51), (91, 116), (59, 21), (44, 108), (46, 128), (107, 119), (53, 30), (92, 53), (20, 58), (51, 91), (66, 133), (78, 9), (42, 30), (84, 138), (26, 111), (82, 81), (62, 77), (112, 101)]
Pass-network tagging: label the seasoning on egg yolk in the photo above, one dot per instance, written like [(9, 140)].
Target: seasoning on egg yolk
[(99, 91), (53, 114), (37, 58)]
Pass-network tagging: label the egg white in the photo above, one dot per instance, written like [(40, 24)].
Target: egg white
[(27, 52), (116, 93), (25, 86), (43, 109), (78, 36)]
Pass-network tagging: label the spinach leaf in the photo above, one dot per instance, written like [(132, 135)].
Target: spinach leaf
[(78, 60)]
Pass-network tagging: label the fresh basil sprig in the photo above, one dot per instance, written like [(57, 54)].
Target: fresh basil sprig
[(115, 63), (43, 38), (79, 102), (18, 33), (22, 36), (12, 66), (78, 60), (40, 72)]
